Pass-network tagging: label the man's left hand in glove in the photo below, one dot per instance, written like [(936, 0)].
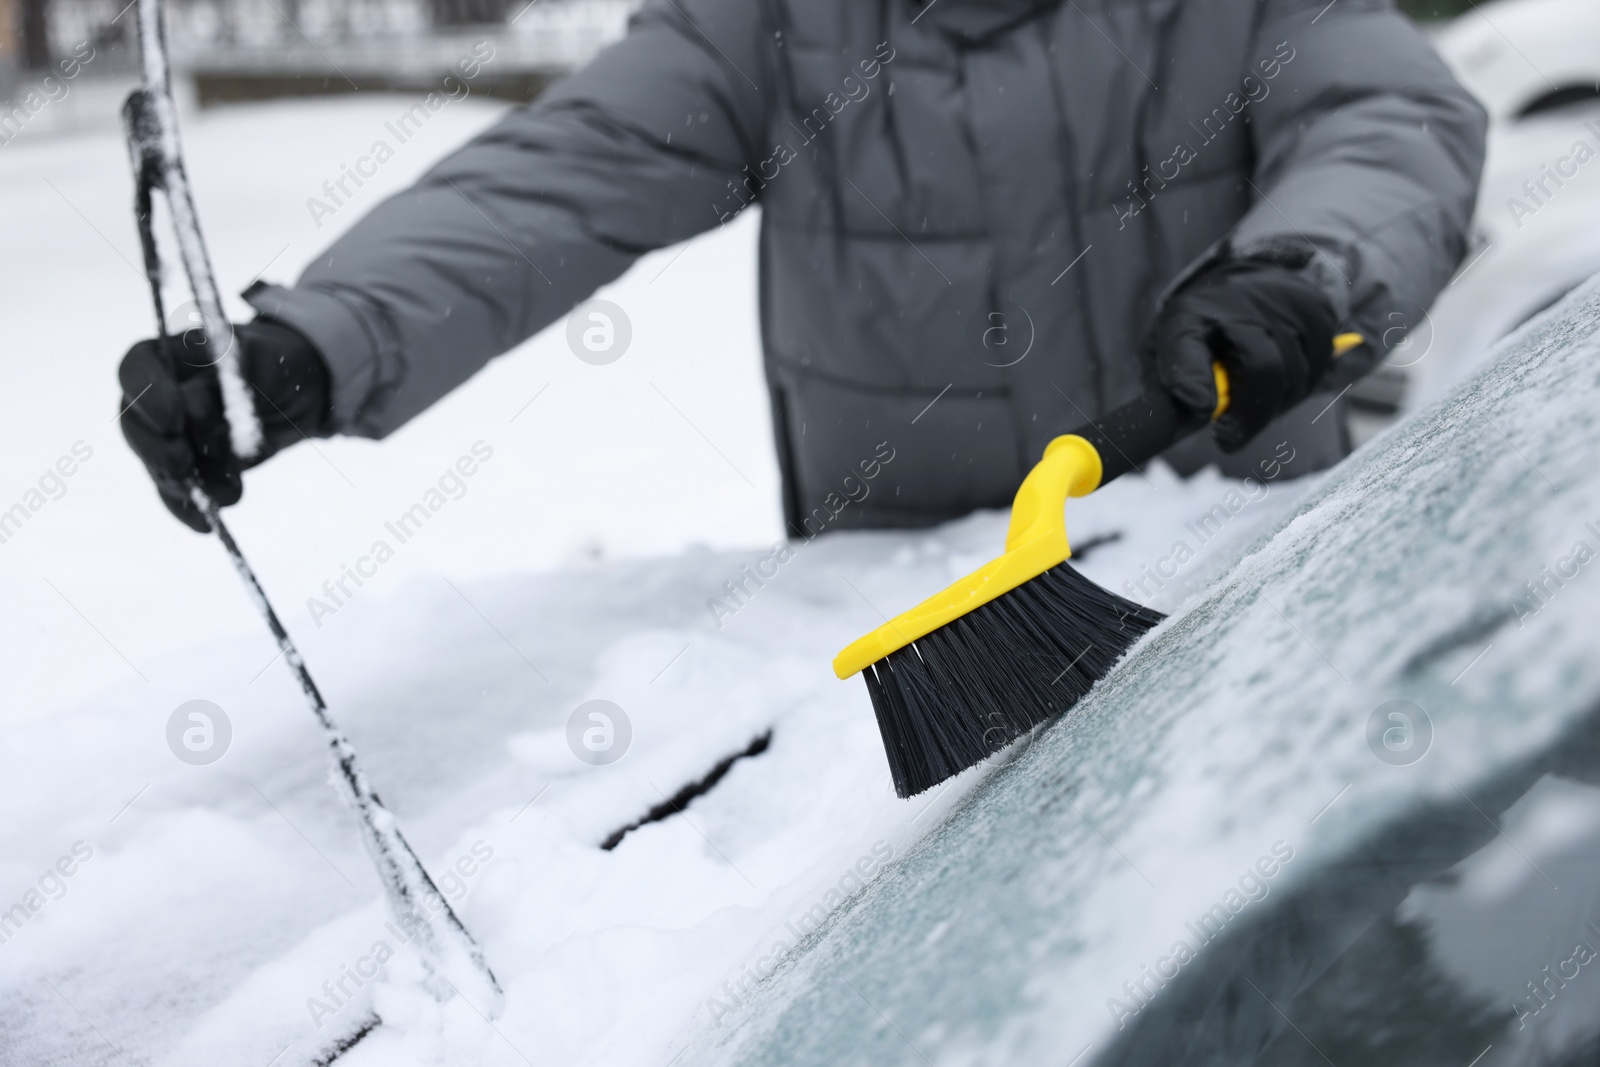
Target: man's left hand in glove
[(172, 411)]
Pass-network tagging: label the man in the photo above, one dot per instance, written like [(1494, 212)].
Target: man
[(1121, 193)]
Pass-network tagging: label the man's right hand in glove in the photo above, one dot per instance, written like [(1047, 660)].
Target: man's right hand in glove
[(1265, 321), (172, 408)]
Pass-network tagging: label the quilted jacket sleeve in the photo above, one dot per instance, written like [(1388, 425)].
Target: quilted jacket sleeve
[(632, 153), (1369, 149)]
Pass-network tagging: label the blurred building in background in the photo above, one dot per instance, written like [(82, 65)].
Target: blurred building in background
[(257, 49)]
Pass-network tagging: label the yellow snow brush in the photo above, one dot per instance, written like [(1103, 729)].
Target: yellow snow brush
[(1022, 638)]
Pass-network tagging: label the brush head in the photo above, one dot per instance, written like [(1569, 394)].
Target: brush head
[(963, 692)]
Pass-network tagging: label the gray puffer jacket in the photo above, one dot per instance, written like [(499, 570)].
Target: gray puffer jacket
[(935, 178)]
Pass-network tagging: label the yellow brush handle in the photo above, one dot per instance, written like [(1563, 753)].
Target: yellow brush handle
[(1073, 465), (1035, 542), (1342, 343), (1224, 394)]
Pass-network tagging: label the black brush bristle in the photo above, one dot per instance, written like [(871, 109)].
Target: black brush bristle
[(968, 689)]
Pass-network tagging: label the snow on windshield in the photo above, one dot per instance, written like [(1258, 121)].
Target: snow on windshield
[(1352, 705)]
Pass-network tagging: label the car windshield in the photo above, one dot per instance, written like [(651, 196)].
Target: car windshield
[(1275, 823)]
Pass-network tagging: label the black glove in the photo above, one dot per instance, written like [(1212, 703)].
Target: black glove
[(172, 408), (1269, 326)]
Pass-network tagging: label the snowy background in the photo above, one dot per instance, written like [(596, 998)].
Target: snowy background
[(215, 902)]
